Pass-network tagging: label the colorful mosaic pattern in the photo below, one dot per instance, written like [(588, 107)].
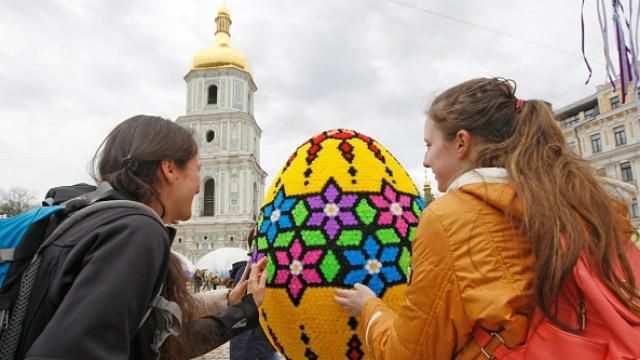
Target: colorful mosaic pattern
[(337, 238), (341, 211)]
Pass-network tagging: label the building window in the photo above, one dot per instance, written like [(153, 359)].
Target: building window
[(571, 120), (238, 91), (212, 95), (625, 170), (209, 197), (635, 212), (574, 147), (596, 143), (621, 136), (615, 102), (210, 136), (591, 113)]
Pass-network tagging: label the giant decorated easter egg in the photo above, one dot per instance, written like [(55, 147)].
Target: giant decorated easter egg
[(341, 211)]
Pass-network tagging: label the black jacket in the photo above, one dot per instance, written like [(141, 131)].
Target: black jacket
[(95, 285)]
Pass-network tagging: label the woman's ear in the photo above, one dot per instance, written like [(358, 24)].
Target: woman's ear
[(463, 144), (167, 171)]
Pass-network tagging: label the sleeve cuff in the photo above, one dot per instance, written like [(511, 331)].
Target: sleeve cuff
[(370, 307), (240, 317), (212, 302)]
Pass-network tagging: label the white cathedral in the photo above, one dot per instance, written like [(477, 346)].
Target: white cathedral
[(220, 92)]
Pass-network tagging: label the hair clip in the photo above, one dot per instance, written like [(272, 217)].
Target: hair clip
[(519, 104), (129, 163)]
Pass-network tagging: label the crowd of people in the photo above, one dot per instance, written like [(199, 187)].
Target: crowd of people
[(519, 211), (203, 280)]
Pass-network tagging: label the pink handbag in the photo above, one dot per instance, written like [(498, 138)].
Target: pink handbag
[(610, 330)]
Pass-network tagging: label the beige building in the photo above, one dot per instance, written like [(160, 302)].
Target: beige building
[(606, 132)]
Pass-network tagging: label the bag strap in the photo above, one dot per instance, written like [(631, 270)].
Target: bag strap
[(491, 344), (170, 317), (7, 255), (150, 307), (102, 191), (161, 303)]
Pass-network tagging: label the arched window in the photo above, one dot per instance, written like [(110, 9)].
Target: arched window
[(212, 95), (210, 135), (209, 197)]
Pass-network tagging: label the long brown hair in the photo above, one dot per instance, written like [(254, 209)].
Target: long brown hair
[(129, 159), (559, 191)]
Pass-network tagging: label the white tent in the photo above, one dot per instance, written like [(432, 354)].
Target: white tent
[(219, 261), (188, 266)]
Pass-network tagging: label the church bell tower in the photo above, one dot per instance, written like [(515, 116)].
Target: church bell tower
[(220, 93)]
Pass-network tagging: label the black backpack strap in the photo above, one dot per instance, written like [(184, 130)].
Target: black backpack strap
[(169, 316), (11, 335), (101, 192), (146, 314)]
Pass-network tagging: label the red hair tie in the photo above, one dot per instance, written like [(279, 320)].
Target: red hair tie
[(519, 103)]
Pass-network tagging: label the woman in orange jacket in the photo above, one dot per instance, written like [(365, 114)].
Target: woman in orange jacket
[(489, 251)]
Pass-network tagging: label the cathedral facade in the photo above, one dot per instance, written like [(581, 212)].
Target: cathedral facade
[(220, 92)]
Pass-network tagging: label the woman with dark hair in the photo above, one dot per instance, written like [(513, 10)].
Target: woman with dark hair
[(519, 212), (109, 288)]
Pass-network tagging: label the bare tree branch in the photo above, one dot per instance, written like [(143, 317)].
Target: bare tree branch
[(15, 200)]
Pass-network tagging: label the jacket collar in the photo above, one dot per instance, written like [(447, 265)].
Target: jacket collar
[(480, 175), (616, 189)]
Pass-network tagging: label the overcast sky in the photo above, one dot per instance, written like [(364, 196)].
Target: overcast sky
[(70, 70)]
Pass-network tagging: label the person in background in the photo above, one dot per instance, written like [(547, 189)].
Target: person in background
[(253, 344), (198, 280), (214, 281)]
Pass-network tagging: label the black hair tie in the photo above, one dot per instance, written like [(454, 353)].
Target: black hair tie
[(129, 163)]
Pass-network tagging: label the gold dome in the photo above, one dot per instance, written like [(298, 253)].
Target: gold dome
[(221, 53)]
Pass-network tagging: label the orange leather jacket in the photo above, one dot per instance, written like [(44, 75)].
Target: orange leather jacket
[(469, 267)]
